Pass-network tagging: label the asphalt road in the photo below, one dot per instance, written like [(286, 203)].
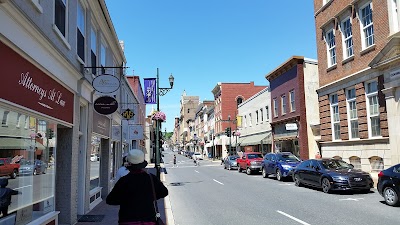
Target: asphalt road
[(208, 194)]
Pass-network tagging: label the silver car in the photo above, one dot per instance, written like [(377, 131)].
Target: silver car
[(230, 162)]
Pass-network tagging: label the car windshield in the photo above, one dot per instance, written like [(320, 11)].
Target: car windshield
[(253, 156), (25, 162), (335, 164), (233, 157), (288, 158)]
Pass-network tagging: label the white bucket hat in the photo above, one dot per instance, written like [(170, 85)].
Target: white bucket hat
[(136, 159)]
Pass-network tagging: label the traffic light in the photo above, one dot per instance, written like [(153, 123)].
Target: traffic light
[(228, 131)]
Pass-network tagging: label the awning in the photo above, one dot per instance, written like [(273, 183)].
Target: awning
[(18, 143), (285, 138), (255, 139)]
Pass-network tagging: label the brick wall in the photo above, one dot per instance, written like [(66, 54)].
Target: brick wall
[(361, 59)]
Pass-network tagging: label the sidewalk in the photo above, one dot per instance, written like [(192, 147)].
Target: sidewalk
[(108, 214)]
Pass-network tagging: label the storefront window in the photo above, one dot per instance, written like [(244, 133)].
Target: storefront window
[(27, 162), (95, 162)]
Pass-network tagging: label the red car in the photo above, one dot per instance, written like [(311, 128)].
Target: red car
[(250, 162)]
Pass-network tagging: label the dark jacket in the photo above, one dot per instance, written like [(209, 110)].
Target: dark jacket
[(134, 194)]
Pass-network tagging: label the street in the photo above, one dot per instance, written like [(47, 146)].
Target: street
[(208, 194)]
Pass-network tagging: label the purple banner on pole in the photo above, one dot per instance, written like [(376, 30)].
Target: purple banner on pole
[(150, 95)]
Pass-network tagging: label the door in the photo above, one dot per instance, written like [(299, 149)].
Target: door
[(315, 173), (271, 164)]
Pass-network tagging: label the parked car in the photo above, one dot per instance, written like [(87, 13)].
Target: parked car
[(32, 167), (331, 174), (230, 162), (8, 168), (250, 162), (389, 185), (197, 155), (279, 164)]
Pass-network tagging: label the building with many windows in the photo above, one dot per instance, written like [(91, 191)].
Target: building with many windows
[(294, 103), (356, 42)]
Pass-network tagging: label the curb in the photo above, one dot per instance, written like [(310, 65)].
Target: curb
[(168, 210)]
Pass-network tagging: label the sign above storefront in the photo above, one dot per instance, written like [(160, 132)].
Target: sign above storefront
[(291, 126), (394, 74), (101, 124), (105, 105), (106, 83), (26, 85)]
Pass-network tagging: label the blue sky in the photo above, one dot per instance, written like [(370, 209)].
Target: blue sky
[(203, 42)]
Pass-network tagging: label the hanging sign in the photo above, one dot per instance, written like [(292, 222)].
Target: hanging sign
[(128, 114), (291, 126), (105, 105), (106, 83), (150, 94)]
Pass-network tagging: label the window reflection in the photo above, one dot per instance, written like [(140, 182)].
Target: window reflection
[(95, 162), (27, 150)]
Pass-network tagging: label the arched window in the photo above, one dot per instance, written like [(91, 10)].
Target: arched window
[(239, 101), (376, 163), (356, 161)]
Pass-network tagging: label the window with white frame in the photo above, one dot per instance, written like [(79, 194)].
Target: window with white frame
[(266, 113), (347, 33), (18, 120), (26, 122), (275, 107), (256, 116), (356, 162), (376, 163), (292, 101), (60, 15), (80, 32), (4, 121), (367, 25), (394, 16), (262, 115), (335, 117), (331, 47), (373, 109), (352, 112), (283, 104), (93, 52), (250, 120)]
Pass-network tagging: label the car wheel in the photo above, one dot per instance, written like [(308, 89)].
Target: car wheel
[(34, 172), (13, 175), (391, 197), (278, 174), (264, 173), (297, 181), (248, 171), (326, 185)]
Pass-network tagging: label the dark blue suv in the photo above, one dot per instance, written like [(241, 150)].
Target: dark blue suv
[(280, 164)]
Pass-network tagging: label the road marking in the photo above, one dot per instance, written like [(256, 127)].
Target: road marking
[(293, 218), (196, 171), (23, 187), (351, 199), (218, 182)]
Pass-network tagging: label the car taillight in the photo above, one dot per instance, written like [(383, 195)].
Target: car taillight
[(380, 174)]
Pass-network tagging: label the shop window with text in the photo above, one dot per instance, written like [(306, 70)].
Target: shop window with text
[(347, 34), (373, 109), (331, 47), (93, 50), (367, 25), (335, 117), (283, 105), (292, 101), (352, 113), (80, 32), (60, 15), (275, 108)]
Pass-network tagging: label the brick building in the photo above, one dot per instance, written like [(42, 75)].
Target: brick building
[(294, 106), (351, 40), (227, 97)]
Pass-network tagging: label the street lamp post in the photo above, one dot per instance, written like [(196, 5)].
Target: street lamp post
[(160, 92)]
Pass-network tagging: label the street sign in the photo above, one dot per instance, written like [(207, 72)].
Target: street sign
[(128, 114), (105, 105), (291, 126)]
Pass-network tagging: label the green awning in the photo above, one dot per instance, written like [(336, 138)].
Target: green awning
[(256, 139), (18, 143)]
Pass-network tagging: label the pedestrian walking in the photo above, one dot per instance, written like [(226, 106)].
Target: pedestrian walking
[(175, 161), (136, 193), (5, 196), (123, 170)]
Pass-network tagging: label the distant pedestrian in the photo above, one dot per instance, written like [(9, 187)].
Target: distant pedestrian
[(123, 170), (5, 196), (175, 161), (134, 192)]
